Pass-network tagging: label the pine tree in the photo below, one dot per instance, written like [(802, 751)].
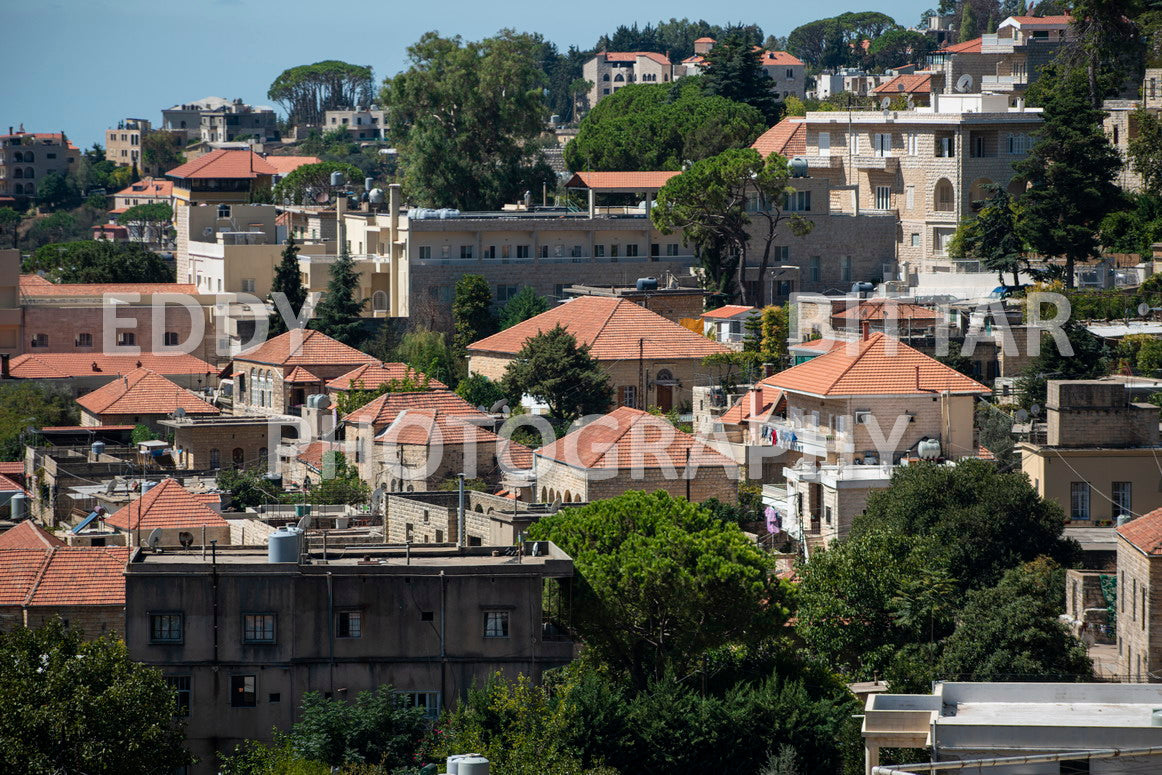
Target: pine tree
[(967, 23), (733, 71), (472, 311), (287, 282), (337, 314)]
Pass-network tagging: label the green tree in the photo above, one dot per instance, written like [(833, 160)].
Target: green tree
[(150, 221), (733, 71), (994, 428), (338, 313), (468, 117), (1071, 169), (247, 487), (661, 582), (993, 237), (1145, 151), (1149, 359), (479, 390), (68, 705), (306, 92), (10, 222), (472, 311), (311, 180), (287, 281), (660, 127), (99, 262), (553, 369), (159, 151), (428, 352), (26, 405), (141, 433), (1089, 359), (967, 30), (340, 482), (898, 47), (527, 303), (710, 203), (57, 190), (1011, 632), (359, 395)]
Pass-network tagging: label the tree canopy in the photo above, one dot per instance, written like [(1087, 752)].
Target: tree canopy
[(527, 303), (554, 369), (992, 236), (661, 127), (468, 118), (312, 179), (24, 404), (288, 282), (838, 41), (674, 37), (93, 261), (306, 92), (472, 315), (67, 705), (733, 71), (338, 313)]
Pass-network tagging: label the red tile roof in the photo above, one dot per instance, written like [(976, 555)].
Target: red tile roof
[(705, 40), (631, 56), (10, 485), (878, 309), (299, 374), (63, 576), (635, 181), (384, 409), (967, 47), (874, 370), (727, 312), (755, 404), (87, 428), (15, 468), (1035, 20), (780, 58), (823, 345), (237, 165), (304, 347), (630, 438), (66, 365), (167, 505), (915, 83), (28, 535), (613, 328), (148, 187), (143, 391), (35, 286), (372, 375), (425, 427), (311, 455), (787, 138), (1145, 532), (19, 570)]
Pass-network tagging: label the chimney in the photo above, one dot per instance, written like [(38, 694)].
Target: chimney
[(864, 329)]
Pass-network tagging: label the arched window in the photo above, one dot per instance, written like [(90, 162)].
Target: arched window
[(18, 156), (604, 78), (18, 173), (238, 457), (379, 300), (944, 200), (215, 457), (254, 399), (29, 173), (665, 375), (619, 77)]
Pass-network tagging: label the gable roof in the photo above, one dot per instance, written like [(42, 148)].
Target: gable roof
[(67, 365), (787, 138), (148, 187), (304, 347), (913, 83), (372, 375), (728, 311), (874, 370), (284, 165), (63, 575), (1037, 21), (629, 438), (1145, 532), (967, 47), (28, 535), (758, 403), (237, 165), (641, 180), (383, 409), (299, 374), (780, 58), (35, 286), (167, 505), (631, 56), (612, 328), (143, 391), (877, 309), (431, 426)]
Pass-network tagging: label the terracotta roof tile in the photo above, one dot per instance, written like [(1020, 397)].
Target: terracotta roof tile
[(914, 83), (167, 505), (822, 345), (28, 535), (304, 348), (237, 164), (874, 370), (1058, 19), (15, 468), (383, 409), (143, 391), (66, 365), (727, 312), (705, 40), (148, 187), (35, 286), (10, 485), (19, 570), (967, 47), (284, 165), (631, 56), (637, 181), (431, 426), (87, 428), (82, 576), (1145, 532), (879, 309), (299, 374), (755, 404), (630, 438), (612, 328), (372, 375), (787, 138), (780, 58), (311, 454)]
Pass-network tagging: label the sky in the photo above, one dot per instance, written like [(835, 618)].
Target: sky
[(89, 63)]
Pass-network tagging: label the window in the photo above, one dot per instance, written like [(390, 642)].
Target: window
[(1019, 144), (248, 285), (631, 250), (429, 701), (490, 251), (379, 301), (215, 457), (425, 252), (915, 239), (466, 251), (1123, 499), (853, 143), (170, 338), (165, 628), (39, 340), (944, 198), (882, 144), (912, 143), (258, 628), (84, 340), (496, 624), (672, 249), (845, 268), (883, 197), (349, 624), (798, 202), (909, 197), (1079, 500), (824, 143), (814, 268), (182, 691), (977, 146), (444, 250), (243, 691), (941, 237), (223, 211), (627, 396), (522, 251), (505, 292), (599, 251), (782, 252), (946, 146)]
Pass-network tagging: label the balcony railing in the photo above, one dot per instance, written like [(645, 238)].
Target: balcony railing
[(886, 163), (1003, 82)]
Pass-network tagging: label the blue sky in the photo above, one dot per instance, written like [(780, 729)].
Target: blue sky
[(85, 64)]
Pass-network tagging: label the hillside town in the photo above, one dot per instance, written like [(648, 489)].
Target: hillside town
[(713, 395)]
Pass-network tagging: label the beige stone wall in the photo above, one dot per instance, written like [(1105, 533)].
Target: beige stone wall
[(1139, 622), (557, 481), (92, 620), (198, 442), (64, 325), (1053, 470)]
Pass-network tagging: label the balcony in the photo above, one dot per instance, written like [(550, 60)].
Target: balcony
[(885, 163), (1003, 83), (816, 441), (994, 44)]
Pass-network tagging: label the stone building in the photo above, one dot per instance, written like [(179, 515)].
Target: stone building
[(629, 449), (242, 639), (1139, 620), (237, 121), (361, 123), (84, 586), (433, 517), (146, 191), (214, 442), (650, 360), (1099, 461), (27, 157), (141, 397), (183, 518), (230, 177), (786, 72), (608, 71)]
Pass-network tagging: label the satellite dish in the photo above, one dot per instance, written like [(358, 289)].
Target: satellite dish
[(186, 539), (1022, 415), (321, 197), (964, 83), (154, 539), (179, 413), (885, 103), (206, 232), (1035, 409), (500, 405), (556, 506), (110, 486), (1143, 310), (304, 523)]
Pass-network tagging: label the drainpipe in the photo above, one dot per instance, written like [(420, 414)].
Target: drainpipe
[(214, 594), (331, 630), (443, 632), (460, 537)]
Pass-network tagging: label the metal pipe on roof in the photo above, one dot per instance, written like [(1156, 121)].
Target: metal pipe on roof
[(1001, 761)]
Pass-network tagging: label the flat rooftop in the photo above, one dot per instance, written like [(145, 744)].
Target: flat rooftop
[(1055, 714)]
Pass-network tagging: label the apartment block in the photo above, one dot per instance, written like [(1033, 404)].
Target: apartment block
[(27, 157), (361, 123), (123, 142)]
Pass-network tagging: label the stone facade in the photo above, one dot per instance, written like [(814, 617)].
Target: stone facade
[(26, 157), (361, 123), (430, 518), (220, 442), (1139, 619), (569, 484), (79, 326), (609, 71)]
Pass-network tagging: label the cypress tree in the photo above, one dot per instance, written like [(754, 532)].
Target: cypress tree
[(287, 282), (337, 313)]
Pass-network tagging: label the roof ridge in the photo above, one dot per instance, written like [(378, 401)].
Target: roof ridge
[(48, 555)]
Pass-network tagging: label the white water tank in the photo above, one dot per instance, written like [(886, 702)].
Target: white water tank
[(928, 449), (472, 765)]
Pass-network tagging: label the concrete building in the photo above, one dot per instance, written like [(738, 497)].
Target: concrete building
[(925, 167), (27, 157), (243, 638), (1099, 459), (610, 70), (361, 123), (187, 117), (629, 449), (1060, 722), (237, 121), (144, 192), (650, 360)]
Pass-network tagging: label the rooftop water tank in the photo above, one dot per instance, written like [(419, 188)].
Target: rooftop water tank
[(283, 545), (337, 178), (1156, 718), (318, 401), (19, 507), (928, 449), (375, 196), (472, 765), (444, 213), (647, 283), (98, 448), (799, 167)]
